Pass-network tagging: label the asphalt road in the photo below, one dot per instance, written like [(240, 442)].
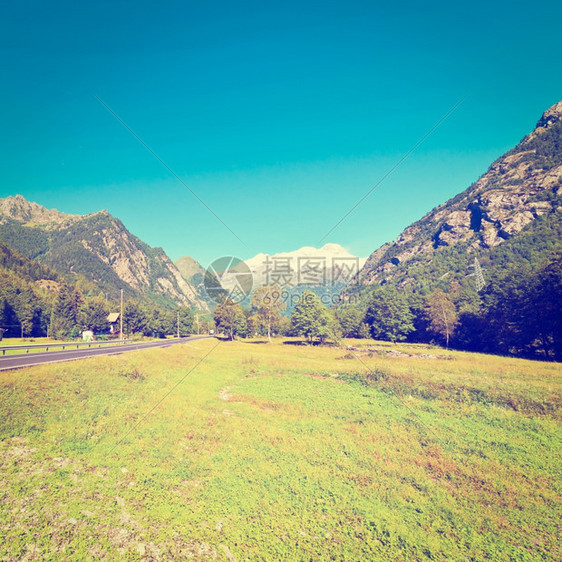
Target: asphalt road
[(28, 360)]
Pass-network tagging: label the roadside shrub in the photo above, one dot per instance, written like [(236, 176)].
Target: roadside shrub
[(131, 372)]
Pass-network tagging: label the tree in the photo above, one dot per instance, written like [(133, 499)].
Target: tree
[(230, 319), (534, 319), (523, 310), (64, 316), (471, 331), (26, 316), (268, 307), (442, 314), (9, 319), (284, 326), (254, 324), (135, 318), (94, 315), (510, 324), (352, 322), (76, 301), (185, 316), (312, 319), (159, 323), (388, 315), (169, 322), (546, 305)]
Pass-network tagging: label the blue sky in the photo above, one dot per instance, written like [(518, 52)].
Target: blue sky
[(279, 116)]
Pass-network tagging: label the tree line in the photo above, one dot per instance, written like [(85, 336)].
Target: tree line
[(66, 312), (264, 317), (518, 312), (37, 301)]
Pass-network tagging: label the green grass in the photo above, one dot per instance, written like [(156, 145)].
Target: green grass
[(270, 452)]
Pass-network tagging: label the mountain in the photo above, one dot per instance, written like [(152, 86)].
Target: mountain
[(329, 265), (512, 213), (96, 247), (323, 270), (25, 288), (194, 273), (189, 267), (21, 210)]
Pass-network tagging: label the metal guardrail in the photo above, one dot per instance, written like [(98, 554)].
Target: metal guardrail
[(69, 345)]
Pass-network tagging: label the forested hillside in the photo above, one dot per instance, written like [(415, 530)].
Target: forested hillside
[(35, 301), (97, 247), (482, 271)]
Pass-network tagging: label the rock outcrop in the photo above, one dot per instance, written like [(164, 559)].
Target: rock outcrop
[(20, 209), (518, 188)]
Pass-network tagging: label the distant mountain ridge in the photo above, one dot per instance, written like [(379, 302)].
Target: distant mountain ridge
[(28, 212), (325, 260), (518, 196), (323, 270), (97, 247), (188, 267), (194, 273)]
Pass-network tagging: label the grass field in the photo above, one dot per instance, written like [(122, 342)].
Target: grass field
[(246, 450)]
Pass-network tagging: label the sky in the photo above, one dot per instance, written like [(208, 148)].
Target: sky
[(278, 116)]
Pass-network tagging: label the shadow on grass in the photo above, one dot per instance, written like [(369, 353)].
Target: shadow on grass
[(307, 343)]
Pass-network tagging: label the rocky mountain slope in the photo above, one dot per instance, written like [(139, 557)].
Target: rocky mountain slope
[(194, 273), (518, 195), (97, 247), (189, 267)]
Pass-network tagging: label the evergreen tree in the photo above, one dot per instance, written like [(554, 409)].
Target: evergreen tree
[(94, 315), (186, 320), (64, 316), (77, 301), (547, 306)]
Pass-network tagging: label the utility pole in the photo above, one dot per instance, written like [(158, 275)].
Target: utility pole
[(197, 318), (121, 315), (178, 324)]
